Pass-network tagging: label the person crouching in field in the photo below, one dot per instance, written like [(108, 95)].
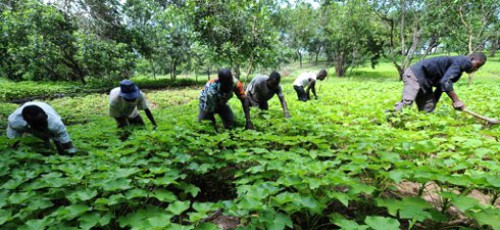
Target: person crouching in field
[(307, 81), (41, 120), (124, 101), (439, 72), (216, 94), (263, 88)]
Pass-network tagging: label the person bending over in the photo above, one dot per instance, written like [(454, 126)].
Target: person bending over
[(439, 73), (262, 88), (42, 121), (124, 101), (214, 97), (306, 82)]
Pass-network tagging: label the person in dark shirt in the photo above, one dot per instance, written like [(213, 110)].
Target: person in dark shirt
[(439, 72)]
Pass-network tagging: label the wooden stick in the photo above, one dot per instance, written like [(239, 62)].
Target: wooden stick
[(489, 120)]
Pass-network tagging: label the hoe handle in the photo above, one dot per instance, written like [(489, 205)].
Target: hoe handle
[(489, 120)]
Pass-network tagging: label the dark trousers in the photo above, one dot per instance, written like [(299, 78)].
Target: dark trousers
[(301, 93), (225, 113), (124, 121), (262, 104)]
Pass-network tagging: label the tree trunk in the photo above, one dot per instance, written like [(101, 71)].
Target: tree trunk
[(494, 47), (316, 58), (174, 71), (208, 72), (403, 27), (196, 75), (433, 43), (237, 72), (300, 58), (417, 34), (153, 67), (339, 65)]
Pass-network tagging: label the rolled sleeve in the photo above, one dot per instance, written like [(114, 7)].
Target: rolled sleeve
[(142, 104), (12, 133), (239, 90), (61, 135)]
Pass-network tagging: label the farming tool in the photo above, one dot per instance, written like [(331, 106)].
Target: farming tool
[(490, 121)]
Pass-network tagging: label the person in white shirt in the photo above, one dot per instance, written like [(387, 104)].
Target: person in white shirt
[(306, 82), (41, 120), (124, 101)]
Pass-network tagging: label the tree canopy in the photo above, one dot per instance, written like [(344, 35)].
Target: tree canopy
[(81, 40)]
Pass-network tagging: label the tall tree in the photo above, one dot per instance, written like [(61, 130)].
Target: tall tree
[(351, 36)]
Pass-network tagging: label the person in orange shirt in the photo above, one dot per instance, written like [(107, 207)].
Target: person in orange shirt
[(216, 94)]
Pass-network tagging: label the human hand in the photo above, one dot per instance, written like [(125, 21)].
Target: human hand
[(458, 105)]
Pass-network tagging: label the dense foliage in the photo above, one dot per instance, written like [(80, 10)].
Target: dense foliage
[(78, 40), (339, 162)]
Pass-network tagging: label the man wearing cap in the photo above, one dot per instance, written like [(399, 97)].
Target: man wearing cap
[(124, 101), (41, 120), (216, 94)]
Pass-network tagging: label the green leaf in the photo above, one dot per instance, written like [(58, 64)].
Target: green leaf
[(312, 204), (139, 218), (180, 227), (117, 184), (392, 205), (20, 198), (280, 221), (196, 216), (35, 224), (490, 217), (5, 215), (72, 211), (82, 195), (204, 207), (39, 204), (344, 223), (164, 195), (178, 207), (160, 221), (136, 193), (382, 223), (189, 188), (397, 175), (89, 220), (342, 197), (465, 203)]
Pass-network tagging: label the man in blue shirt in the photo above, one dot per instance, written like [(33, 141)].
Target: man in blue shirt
[(439, 72)]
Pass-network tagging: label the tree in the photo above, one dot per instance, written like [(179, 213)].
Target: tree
[(239, 32), (351, 36), (38, 43), (300, 35)]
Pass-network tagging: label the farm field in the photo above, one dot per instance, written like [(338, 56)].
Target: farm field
[(338, 162)]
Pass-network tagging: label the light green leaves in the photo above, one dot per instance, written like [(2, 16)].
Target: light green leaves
[(382, 223), (178, 207)]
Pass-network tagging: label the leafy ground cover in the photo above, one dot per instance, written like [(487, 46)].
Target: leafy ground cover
[(338, 162)]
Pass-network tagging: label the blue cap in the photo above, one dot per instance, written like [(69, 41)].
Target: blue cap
[(129, 90)]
